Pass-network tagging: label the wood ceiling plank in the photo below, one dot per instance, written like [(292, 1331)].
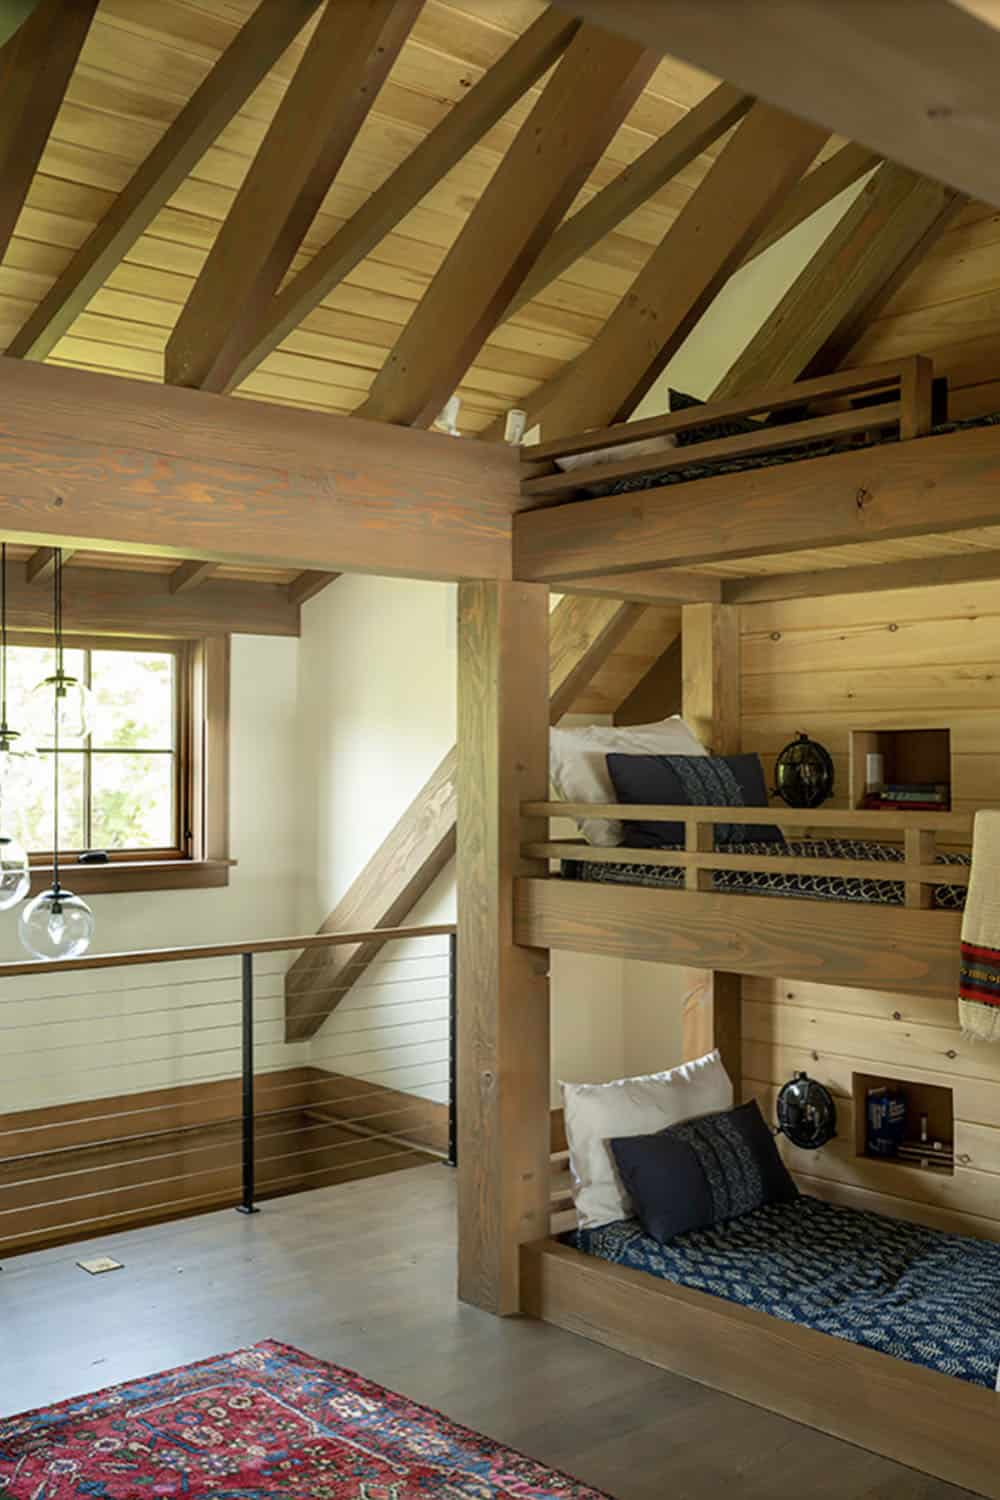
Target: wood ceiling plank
[(324, 106), (716, 114), (582, 634), (190, 574), (238, 71), (760, 165), (35, 68), (437, 154), (527, 196), (919, 87)]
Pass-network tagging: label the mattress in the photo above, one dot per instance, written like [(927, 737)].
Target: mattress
[(793, 454), (918, 1294), (879, 890)]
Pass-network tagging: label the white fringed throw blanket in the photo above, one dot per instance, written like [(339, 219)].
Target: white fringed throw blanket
[(979, 978)]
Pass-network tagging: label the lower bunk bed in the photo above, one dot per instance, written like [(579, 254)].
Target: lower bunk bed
[(919, 1416)]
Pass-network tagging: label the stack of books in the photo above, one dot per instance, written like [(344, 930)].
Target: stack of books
[(910, 796)]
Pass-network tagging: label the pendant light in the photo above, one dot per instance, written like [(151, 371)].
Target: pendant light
[(15, 879), (56, 924), (73, 714)]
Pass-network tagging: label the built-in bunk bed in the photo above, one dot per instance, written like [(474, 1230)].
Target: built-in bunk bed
[(879, 1330)]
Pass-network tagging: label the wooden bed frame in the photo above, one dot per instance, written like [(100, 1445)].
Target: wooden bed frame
[(911, 949), (931, 1422)]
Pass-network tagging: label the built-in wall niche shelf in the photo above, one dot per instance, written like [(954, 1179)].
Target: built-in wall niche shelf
[(927, 1134), (914, 759)]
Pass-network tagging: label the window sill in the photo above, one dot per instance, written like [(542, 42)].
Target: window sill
[(135, 875)]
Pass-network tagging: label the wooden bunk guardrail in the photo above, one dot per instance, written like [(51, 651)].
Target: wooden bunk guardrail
[(909, 378), (699, 859)]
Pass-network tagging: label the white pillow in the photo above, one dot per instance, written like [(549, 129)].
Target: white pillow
[(643, 448), (596, 1113), (578, 765)]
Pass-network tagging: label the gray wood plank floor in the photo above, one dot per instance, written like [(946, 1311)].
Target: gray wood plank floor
[(363, 1274)]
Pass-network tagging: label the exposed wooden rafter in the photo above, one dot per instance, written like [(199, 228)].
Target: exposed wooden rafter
[(582, 634), (35, 69), (671, 586), (766, 155), (139, 602), (247, 59), (698, 129), (584, 102), (308, 584), (465, 123), (190, 574), (41, 564), (893, 223), (869, 578), (916, 83), (817, 188), (335, 85)]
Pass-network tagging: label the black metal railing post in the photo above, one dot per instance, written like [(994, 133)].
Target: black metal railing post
[(453, 1049), (247, 1205)]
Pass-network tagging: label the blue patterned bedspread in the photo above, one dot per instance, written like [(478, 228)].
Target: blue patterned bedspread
[(916, 1293)]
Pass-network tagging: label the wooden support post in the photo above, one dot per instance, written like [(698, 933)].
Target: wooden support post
[(710, 643), (710, 637), (919, 848), (503, 990), (915, 397)]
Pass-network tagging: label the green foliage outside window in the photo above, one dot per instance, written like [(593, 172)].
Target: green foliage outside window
[(117, 788)]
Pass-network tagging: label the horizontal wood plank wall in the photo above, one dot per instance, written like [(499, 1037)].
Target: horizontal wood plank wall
[(913, 658)]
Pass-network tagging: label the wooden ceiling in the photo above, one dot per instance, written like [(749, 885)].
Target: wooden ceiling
[(143, 62)]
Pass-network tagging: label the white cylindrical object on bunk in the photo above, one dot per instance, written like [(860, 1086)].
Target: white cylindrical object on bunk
[(874, 771), (517, 421)]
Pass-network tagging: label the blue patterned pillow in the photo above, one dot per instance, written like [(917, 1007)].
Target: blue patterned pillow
[(702, 1172), (707, 432), (691, 781)]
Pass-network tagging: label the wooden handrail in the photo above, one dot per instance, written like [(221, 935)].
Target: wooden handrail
[(788, 817), (918, 870), (218, 950), (777, 398)]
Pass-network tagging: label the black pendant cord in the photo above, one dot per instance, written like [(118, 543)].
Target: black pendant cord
[(57, 611)]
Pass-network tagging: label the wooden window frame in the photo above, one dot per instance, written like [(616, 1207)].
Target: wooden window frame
[(201, 860)]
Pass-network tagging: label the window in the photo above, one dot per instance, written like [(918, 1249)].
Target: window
[(147, 786)]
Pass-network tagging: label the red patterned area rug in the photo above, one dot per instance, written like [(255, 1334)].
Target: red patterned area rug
[(261, 1424)]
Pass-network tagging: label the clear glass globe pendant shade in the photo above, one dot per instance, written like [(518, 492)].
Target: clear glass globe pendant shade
[(64, 697), (15, 879), (56, 924)]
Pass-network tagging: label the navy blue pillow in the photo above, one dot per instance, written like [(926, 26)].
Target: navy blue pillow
[(692, 781), (702, 1172), (707, 432)]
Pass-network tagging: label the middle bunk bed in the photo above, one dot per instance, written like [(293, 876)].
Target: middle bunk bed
[(665, 888)]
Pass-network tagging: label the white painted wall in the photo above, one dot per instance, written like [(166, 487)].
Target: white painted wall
[(123, 1030)]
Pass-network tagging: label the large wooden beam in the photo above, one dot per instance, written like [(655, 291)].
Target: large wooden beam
[(503, 988), (710, 637), (42, 563), (96, 461), (521, 66), (916, 83), (334, 87), (893, 223), (247, 59), (816, 189), (761, 163), (123, 601), (582, 635), (190, 574), (667, 587), (308, 584), (35, 69), (945, 483), (584, 102), (870, 578), (634, 186)]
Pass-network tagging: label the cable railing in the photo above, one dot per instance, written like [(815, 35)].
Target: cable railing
[(146, 1085)]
